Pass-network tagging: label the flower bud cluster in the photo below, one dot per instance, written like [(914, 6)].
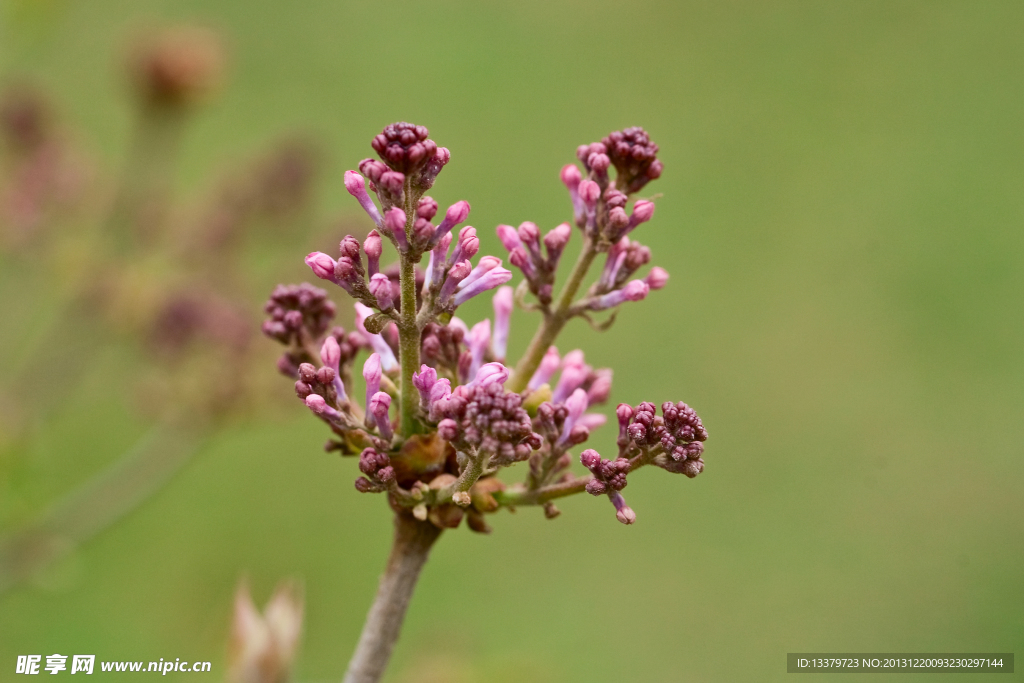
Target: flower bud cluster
[(634, 157), (599, 203), (378, 470), (484, 418), (409, 160), (299, 315), (676, 435), (455, 424), (538, 266)]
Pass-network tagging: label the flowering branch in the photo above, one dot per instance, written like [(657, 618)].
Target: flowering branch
[(462, 416)]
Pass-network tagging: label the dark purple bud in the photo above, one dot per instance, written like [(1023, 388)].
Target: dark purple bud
[(426, 208), (307, 373)]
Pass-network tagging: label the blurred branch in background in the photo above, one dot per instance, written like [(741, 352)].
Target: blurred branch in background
[(89, 265), (138, 474)]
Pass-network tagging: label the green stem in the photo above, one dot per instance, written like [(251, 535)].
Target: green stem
[(553, 322), (519, 495), (408, 347)]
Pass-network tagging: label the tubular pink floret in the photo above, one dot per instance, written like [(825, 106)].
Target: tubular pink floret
[(456, 274), (592, 421), (623, 512), (373, 245), (377, 342), (478, 341), (424, 381), (356, 186), (503, 304), (573, 375), (548, 366), (487, 263), (521, 260), (330, 353), (379, 404), (508, 236), (635, 290), (318, 405), (577, 405), (394, 219), (456, 213), (491, 279)]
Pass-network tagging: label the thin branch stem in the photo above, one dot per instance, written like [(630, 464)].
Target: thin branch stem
[(520, 495), (409, 347), (553, 322), (413, 540)]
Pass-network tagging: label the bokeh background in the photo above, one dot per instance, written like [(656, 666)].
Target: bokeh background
[(841, 213)]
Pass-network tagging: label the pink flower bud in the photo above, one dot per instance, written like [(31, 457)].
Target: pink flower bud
[(447, 429), (528, 232), (317, 404), (455, 214), (373, 245), (598, 162), (625, 515), (643, 210), (571, 176), (330, 353), (356, 187), (491, 373), (322, 265), (379, 405), (424, 381), (635, 290), (393, 183), (589, 192), (521, 260), (657, 278), (426, 208), (556, 240), (478, 341), (380, 287), (618, 219), (590, 458)]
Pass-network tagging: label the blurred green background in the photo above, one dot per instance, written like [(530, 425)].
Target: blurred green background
[(841, 215)]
